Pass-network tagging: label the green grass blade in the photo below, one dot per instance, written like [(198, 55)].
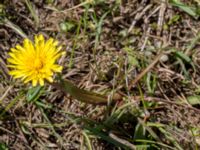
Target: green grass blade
[(33, 12), (11, 104), (189, 10), (16, 28), (51, 126), (157, 143), (88, 142), (105, 137), (34, 93), (80, 94), (3, 146)]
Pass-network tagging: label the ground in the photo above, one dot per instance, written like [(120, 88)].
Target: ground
[(146, 51)]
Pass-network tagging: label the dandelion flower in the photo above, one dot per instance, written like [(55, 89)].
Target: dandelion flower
[(35, 62)]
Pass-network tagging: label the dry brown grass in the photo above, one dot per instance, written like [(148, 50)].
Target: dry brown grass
[(108, 44)]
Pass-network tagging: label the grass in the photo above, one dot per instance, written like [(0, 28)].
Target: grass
[(159, 98)]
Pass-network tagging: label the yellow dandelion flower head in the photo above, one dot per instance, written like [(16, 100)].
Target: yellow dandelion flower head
[(35, 61)]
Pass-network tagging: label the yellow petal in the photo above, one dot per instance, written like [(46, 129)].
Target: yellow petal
[(55, 43), (20, 48), (41, 81), (57, 68), (13, 50), (34, 82), (50, 79), (13, 61), (41, 37)]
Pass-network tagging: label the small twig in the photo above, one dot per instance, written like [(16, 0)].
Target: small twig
[(69, 9), (145, 70), (17, 136), (125, 142), (22, 133), (145, 39), (138, 17), (11, 133), (5, 93), (161, 18), (3, 68), (156, 99), (11, 104)]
